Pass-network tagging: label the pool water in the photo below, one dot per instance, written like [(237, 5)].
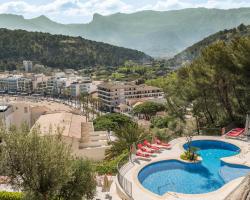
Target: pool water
[(194, 178)]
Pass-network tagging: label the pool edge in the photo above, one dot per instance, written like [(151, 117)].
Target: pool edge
[(180, 145)]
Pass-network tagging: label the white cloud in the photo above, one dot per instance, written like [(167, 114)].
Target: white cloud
[(162, 5), (82, 10), (226, 4), (66, 8), (104, 7)]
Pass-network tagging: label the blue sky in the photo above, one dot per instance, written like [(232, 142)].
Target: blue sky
[(81, 11)]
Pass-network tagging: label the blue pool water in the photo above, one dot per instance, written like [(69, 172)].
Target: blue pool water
[(194, 178)]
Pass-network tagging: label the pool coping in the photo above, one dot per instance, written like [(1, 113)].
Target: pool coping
[(181, 141)]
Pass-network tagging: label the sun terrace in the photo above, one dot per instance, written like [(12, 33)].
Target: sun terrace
[(158, 170)]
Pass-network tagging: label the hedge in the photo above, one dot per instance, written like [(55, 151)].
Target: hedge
[(11, 195)]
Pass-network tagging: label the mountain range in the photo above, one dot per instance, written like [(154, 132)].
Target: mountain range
[(157, 33)]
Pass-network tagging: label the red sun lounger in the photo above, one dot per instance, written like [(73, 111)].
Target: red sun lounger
[(144, 149), (144, 155), (147, 144), (236, 132), (162, 143)]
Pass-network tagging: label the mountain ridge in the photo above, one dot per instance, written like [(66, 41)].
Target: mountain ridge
[(194, 51), (157, 33), (60, 51)]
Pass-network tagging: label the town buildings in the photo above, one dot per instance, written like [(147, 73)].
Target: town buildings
[(40, 84), (15, 83)]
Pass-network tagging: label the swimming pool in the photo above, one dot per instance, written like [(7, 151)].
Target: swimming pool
[(194, 178)]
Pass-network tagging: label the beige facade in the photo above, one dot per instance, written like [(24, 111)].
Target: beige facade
[(50, 116), (19, 113), (114, 93)]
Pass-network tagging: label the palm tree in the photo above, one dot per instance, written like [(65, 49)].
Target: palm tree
[(125, 137), (97, 105), (66, 93), (84, 102)]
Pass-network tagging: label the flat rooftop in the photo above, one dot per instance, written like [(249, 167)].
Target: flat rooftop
[(68, 123), (122, 85)]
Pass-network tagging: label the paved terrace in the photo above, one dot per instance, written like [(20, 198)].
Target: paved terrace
[(139, 192)]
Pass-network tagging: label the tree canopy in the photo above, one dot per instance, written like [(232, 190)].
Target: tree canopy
[(42, 166), (82, 183), (125, 137), (215, 87), (112, 121), (148, 109)]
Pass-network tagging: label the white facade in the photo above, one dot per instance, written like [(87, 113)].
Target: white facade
[(74, 90), (14, 84), (83, 85), (19, 113), (28, 65)]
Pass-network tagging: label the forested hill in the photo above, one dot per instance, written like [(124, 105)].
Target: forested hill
[(195, 50), (216, 84), (60, 51)]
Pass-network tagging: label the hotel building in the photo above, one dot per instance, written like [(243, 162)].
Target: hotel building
[(114, 93)]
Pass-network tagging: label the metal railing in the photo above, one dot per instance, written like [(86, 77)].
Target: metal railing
[(122, 168)]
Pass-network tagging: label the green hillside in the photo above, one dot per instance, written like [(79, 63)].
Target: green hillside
[(216, 85), (195, 50), (156, 33), (60, 51)]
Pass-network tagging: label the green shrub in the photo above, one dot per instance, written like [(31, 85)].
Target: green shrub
[(106, 167), (110, 166), (160, 122), (189, 155), (11, 196)]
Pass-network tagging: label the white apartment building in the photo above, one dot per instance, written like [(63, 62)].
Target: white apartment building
[(25, 85), (80, 87), (15, 84), (74, 89), (28, 65), (39, 83), (85, 85), (52, 88)]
